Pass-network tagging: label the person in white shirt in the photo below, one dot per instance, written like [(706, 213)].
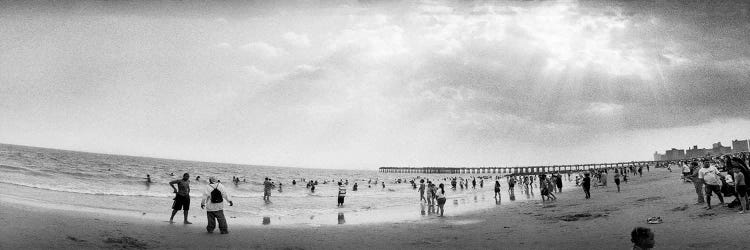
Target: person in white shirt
[(710, 176), (685, 172), (213, 200), (342, 194)]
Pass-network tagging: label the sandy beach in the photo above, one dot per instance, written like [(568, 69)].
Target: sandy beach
[(570, 222)]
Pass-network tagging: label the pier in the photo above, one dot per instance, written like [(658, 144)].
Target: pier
[(513, 170)]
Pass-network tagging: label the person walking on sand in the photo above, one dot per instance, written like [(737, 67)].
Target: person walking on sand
[(181, 198), (640, 171), (642, 238), (586, 184), (617, 180), (697, 182), (213, 200), (710, 176), (441, 199), (740, 188)]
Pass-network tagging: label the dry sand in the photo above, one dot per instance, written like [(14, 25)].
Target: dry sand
[(603, 222)]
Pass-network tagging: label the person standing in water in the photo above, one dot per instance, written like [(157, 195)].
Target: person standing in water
[(441, 199), (182, 197), (497, 188), (267, 186), (430, 193), (342, 194), (421, 190)]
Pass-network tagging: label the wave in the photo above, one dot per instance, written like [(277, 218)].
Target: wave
[(89, 191), (196, 192), (24, 170), (13, 168)]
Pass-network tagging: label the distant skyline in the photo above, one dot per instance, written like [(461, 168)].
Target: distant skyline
[(364, 84)]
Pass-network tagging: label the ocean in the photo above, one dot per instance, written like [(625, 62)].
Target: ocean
[(116, 184)]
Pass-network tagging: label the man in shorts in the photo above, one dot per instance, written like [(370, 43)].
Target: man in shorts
[(182, 197), (342, 194), (710, 176)]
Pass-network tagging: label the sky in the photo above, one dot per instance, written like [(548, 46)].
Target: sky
[(361, 85)]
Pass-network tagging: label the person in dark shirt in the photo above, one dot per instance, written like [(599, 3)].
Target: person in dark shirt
[(182, 197), (586, 185)]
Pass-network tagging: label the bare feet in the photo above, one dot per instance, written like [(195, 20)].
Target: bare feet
[(187, 222)]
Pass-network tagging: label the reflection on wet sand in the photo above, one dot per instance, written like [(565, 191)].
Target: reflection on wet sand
[(266, 220), (342, 220)]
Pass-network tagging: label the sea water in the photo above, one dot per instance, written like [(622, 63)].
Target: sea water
[(117, 183)]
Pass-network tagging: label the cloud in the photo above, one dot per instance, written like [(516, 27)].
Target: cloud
[(604, 109), (297, 40), (264, 50), (224, 45), (222, 20), (389, 82)]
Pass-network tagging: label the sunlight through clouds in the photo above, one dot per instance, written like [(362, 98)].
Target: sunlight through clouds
[(375, 83)]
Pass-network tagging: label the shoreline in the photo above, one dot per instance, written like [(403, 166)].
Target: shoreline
[(604, 221), (459, 204)]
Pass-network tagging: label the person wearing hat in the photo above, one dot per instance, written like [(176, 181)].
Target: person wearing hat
[(214, 197)]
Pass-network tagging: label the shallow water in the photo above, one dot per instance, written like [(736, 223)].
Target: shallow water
[(116, 184)]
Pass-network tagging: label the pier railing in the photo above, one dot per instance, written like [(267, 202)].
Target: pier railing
[(514, 170)]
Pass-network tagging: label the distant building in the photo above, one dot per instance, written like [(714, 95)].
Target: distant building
[(740, 146), (718, 149), (675, 154), (696, 152), (659, 157)]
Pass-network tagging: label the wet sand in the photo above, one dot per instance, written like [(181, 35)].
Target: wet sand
[(570, 222)]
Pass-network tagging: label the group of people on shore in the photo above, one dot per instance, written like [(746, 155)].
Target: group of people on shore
[(723, 176), (214, 196)]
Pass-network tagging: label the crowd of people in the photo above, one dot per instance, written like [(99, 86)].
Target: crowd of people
[(723, 176)]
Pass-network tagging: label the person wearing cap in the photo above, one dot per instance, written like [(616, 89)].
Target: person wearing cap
[(215, 210)]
